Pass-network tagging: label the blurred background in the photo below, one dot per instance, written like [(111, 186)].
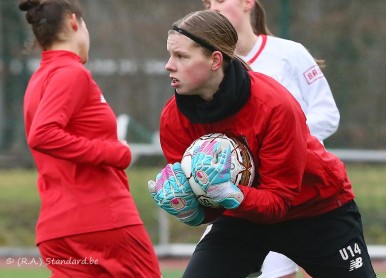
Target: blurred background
[(128, 54), (127, 58)]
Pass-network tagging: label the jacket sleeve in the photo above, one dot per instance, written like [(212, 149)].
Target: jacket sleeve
[(65, 93), (175, 138), (282, 159), (322, 113)]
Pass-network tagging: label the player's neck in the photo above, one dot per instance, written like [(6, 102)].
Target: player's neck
[(246, 42)]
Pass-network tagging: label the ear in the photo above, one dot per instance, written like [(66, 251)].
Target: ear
[(217, 60), (74, 22), (248, 5)]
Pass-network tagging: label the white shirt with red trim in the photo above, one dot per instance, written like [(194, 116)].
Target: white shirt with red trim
[(293, 66)]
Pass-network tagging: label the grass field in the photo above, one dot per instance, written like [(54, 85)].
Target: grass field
[(19, 207)]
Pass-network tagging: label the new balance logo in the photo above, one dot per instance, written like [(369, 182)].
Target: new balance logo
[(352, 253), (355, 264)]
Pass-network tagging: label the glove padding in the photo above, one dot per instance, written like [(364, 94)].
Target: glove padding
[(211, 166), (171, 191)]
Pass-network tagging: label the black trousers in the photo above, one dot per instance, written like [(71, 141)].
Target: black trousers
[(327, 246)]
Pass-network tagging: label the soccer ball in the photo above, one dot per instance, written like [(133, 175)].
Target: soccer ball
[(242, 166)]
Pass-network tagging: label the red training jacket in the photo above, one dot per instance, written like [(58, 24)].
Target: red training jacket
[(295, 176), (72, 134)]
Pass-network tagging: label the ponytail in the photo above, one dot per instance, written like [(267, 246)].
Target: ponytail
[(258, 20)]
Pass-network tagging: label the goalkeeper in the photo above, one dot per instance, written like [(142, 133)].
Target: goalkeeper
[(301, 203)]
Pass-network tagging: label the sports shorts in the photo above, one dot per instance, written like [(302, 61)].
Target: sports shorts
[(328, 245), (122, 252)]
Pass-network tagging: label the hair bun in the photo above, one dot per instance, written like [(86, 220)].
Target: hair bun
[(26, 5)]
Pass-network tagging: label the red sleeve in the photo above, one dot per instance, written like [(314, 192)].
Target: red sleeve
[(174, 136), (66, 93), (282, 156)]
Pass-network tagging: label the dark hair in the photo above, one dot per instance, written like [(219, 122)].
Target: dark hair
[(47, 17)]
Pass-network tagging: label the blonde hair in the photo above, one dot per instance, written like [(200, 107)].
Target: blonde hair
[(210, 30)]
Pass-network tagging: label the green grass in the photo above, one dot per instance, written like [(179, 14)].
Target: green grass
[(19, 208), (23, 273), (369, 182), (19, 205)]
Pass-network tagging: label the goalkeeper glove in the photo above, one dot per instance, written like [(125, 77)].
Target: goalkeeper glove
[(211, 166), (171, 191)]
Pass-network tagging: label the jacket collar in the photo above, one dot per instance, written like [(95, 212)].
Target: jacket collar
[(233, 93)]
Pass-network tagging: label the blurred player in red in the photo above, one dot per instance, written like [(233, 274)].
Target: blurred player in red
[(88, 225), (293, 66), (301, 203)]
